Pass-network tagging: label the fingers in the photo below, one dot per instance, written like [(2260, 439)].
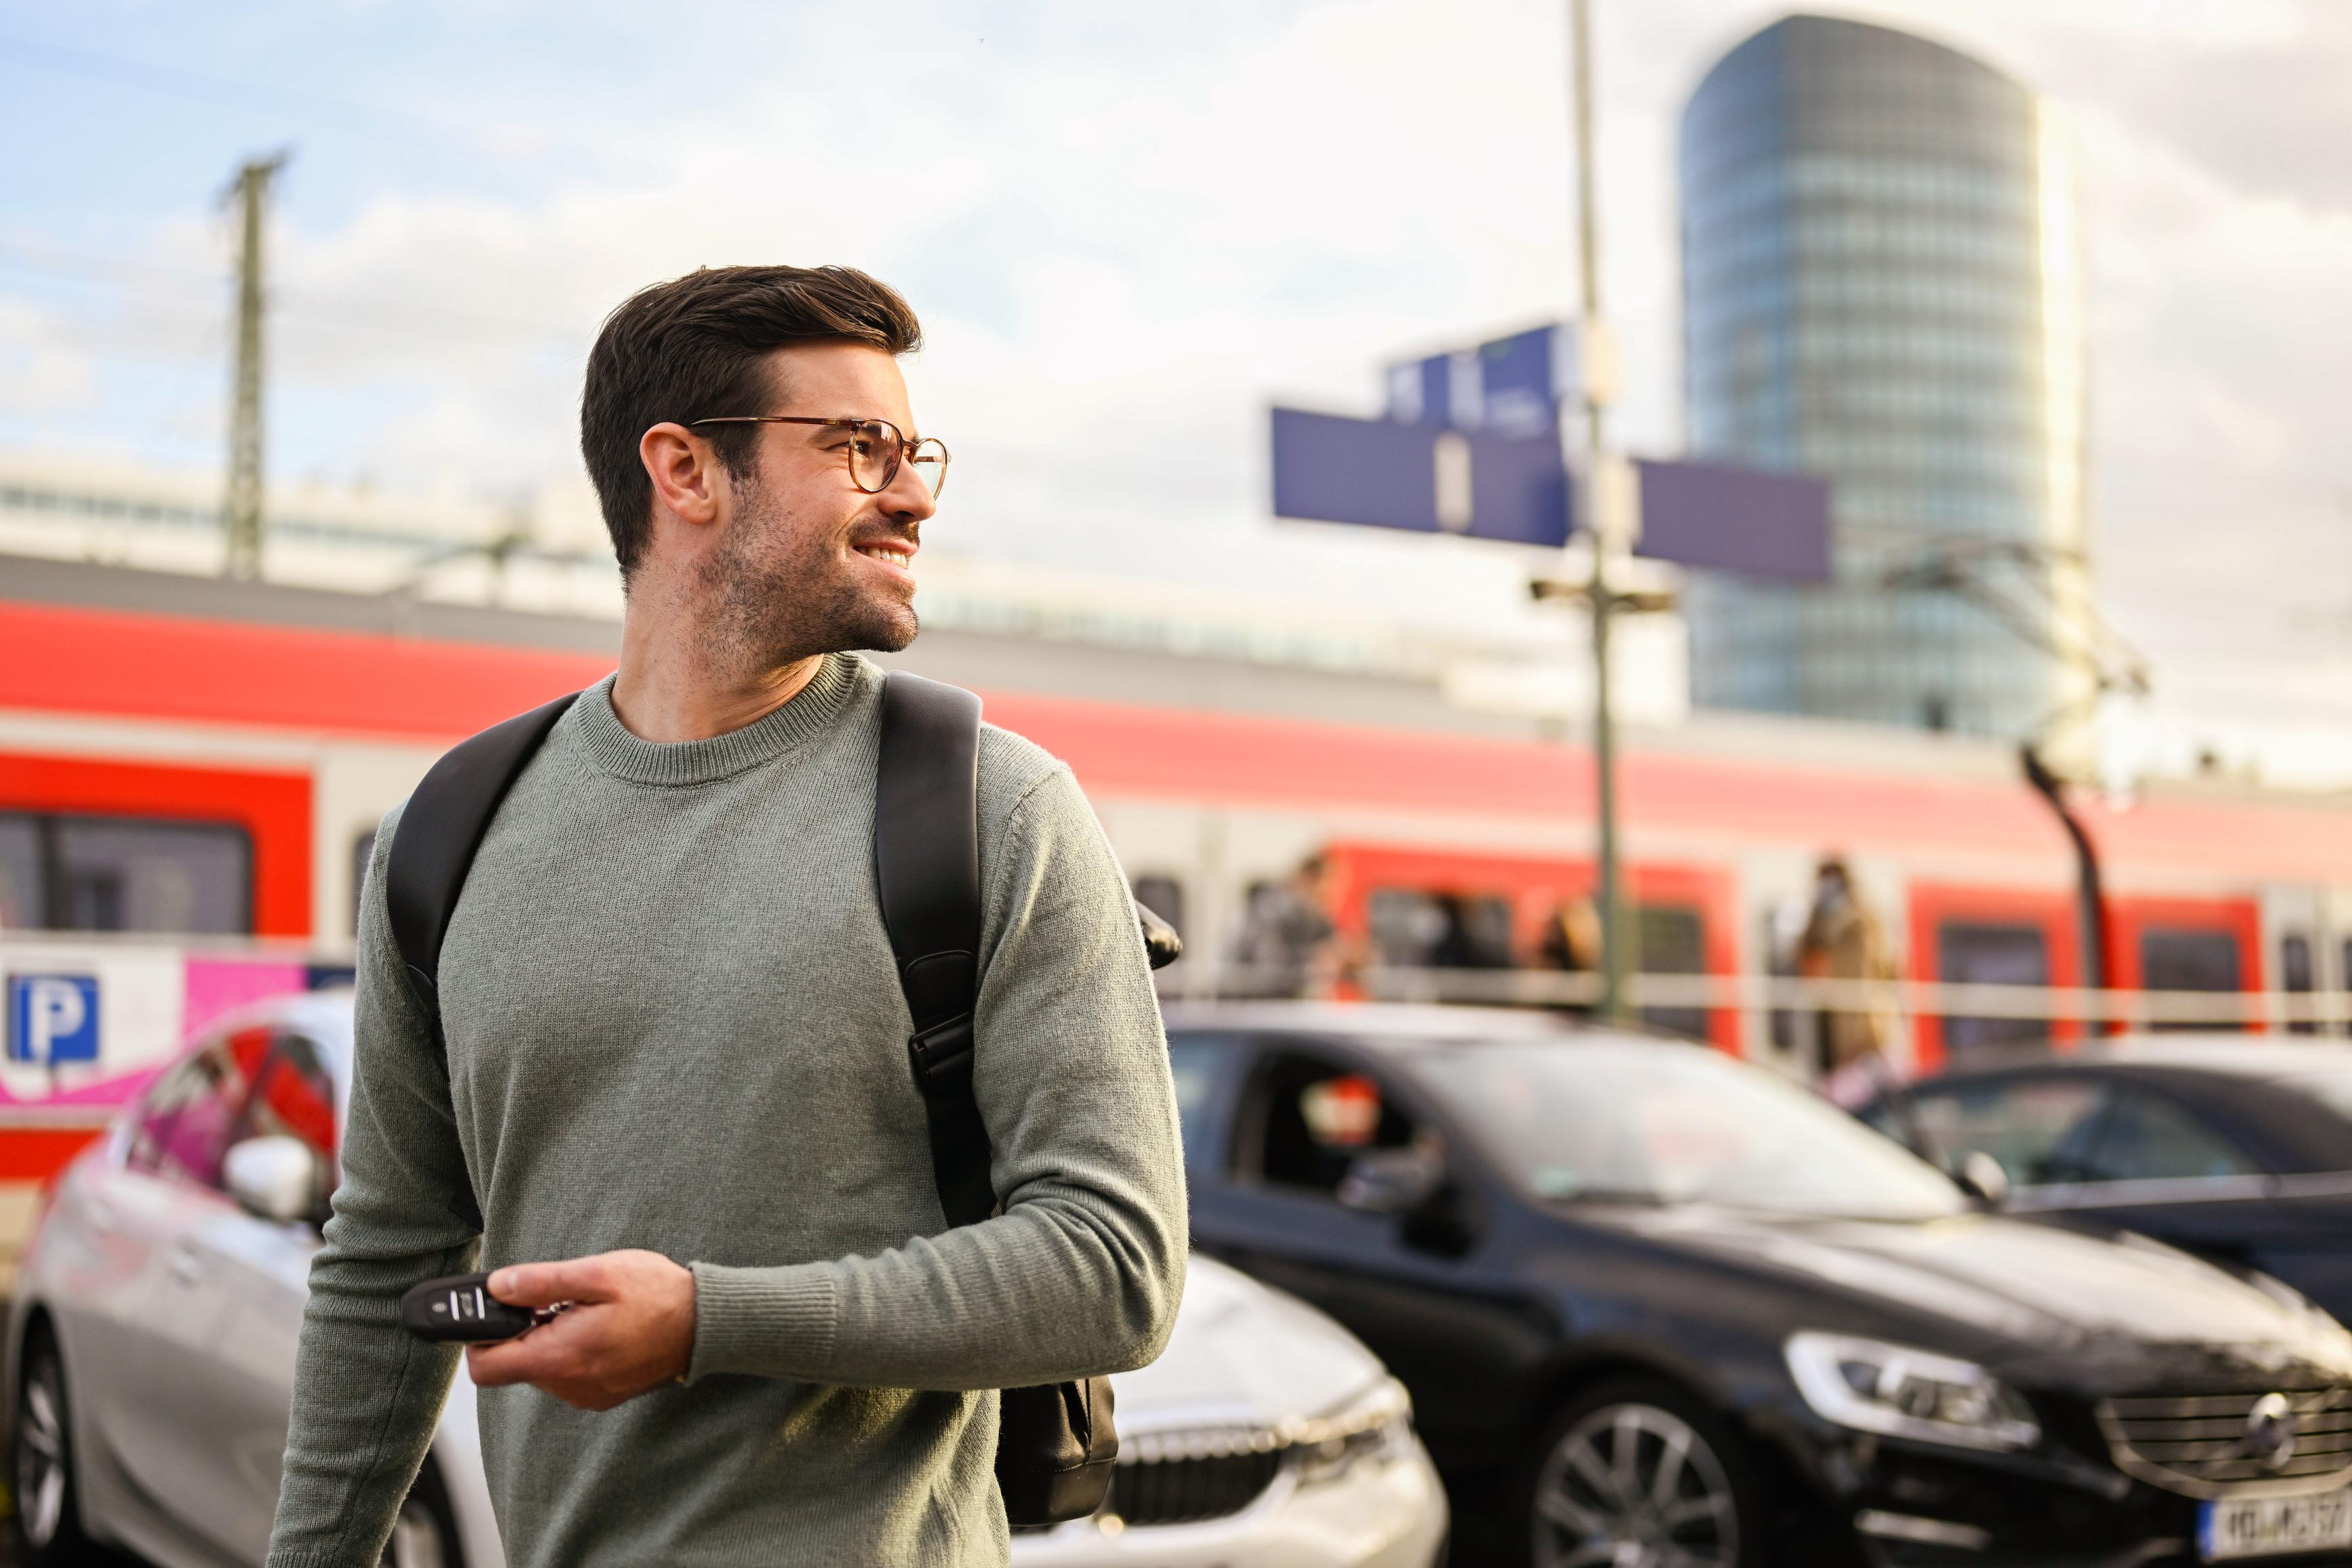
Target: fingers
[(545, 1284), (570, 1365), (603, 1277), (542, 1285), (630, 1328), (549, 1350)]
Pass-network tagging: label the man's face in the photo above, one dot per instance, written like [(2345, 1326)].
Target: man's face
[(806, 562)]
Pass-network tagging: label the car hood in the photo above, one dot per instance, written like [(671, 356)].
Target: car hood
[(2047, 1302), (1244, 1353)]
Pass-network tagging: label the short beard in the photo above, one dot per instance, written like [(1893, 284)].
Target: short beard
[(777, 596)]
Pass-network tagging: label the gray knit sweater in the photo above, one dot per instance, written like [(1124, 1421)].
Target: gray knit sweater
[(674, 1023)]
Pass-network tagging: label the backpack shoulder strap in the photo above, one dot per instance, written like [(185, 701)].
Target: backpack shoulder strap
[(927, 871), (441, 827)]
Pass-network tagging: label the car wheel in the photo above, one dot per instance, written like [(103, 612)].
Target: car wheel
[(1638, 1474), (48, 1514), (425, 1535)]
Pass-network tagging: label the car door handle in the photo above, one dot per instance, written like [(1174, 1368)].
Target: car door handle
[(185, 1265)]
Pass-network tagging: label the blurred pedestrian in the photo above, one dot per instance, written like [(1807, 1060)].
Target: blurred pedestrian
[(666, 1079), (1570, 943), (1844, 941), (1289, 945)]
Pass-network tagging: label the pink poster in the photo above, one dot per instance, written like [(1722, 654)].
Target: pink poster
[(216, 985)]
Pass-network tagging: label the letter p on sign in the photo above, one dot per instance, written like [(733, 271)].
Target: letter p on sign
[(52, 1019)]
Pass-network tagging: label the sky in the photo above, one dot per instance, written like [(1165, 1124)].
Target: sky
[(1128, 228)]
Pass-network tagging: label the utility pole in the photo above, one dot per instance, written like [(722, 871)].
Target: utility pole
[(241, 505), (1605, 521)]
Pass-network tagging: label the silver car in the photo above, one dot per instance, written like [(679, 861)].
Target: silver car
[(150, 1360)]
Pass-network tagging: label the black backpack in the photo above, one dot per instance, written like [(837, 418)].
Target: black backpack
[(1055, 1443)]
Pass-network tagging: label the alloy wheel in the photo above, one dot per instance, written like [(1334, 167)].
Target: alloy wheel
[(42, 1477), (1634, 1486)]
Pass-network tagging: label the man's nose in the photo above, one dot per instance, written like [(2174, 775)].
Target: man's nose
[(906, 498)]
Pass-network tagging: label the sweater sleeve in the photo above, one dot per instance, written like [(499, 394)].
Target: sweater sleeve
[(1081, 1272), (366, 1394)]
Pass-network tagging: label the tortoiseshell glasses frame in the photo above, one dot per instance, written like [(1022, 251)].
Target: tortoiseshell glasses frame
[(874, 450)]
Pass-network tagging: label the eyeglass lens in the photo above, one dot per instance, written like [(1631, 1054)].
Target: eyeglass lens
[(876, 448)]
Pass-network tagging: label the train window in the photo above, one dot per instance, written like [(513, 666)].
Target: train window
[(1969, 952), (2297, 978), (1415, 929), (126, 873), (2187, 960), (1784, 929), (1164, 897), (20, 872), (1673, 942)]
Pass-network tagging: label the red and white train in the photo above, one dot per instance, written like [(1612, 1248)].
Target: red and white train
[(183, 754)]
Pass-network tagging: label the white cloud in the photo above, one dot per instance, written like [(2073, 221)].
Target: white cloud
[(1129, 228)]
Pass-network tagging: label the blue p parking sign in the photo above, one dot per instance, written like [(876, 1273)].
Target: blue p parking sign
[(52, 1019)]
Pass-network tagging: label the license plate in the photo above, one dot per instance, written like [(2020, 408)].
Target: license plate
[(2273, 1526)]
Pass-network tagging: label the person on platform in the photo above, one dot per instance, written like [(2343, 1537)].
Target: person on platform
[(672, 1085)]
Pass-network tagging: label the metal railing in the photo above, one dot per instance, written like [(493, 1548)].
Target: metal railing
[(1901, 999)]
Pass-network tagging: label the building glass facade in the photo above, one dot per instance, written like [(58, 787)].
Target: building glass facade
[(1880, 287)]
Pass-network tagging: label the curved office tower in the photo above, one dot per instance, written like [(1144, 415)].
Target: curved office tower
[(1881, 286)]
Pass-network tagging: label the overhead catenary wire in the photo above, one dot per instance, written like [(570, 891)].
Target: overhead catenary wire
[(200, 290), (341, 112)]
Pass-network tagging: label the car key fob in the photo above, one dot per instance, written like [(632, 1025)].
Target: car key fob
[(462, 1307)]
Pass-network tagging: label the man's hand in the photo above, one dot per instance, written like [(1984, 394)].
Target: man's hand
[(630, 1328)]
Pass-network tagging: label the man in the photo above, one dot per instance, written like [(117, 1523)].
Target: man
[(677, 1078)]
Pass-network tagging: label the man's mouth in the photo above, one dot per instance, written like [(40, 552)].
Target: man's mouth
[(890, 552)]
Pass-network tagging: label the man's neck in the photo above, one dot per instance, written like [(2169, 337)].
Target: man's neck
[(671, 688)]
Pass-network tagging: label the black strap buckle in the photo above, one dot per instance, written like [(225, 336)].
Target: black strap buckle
[(941, 1057)]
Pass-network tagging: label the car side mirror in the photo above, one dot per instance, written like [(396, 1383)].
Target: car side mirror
[(1390, 1181), (275, 1178), (1983, 1178)]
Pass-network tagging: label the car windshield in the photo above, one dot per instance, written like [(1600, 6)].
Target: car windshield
[(1655, 1122)]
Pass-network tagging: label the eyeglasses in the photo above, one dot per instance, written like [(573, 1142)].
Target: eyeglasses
[(876, 448)]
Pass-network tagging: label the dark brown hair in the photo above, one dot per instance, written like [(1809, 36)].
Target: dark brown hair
[(693, 348)]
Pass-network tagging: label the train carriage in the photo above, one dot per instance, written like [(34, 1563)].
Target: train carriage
[(192, 769)]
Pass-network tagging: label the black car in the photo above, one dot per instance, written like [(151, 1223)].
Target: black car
[(2238, 1148), (1657, 1309)]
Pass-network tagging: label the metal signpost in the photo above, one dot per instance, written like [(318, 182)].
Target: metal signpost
[(1475, 444), (1439, 463)]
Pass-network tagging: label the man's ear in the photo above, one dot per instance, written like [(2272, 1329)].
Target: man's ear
[(688, 476)]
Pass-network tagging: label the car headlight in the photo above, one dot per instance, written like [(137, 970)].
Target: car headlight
[(1874, 1387), (1376, 1425)]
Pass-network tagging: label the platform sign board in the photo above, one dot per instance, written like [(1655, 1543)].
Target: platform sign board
[(1520, 383), (1382, 473), (1722, 518), (1512, 386), (1374, 472), (1471, 445)]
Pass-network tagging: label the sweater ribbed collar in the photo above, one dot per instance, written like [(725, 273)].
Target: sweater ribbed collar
[(812, 710)]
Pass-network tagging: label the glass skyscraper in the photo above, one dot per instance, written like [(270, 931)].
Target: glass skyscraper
[(1881, 286)]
